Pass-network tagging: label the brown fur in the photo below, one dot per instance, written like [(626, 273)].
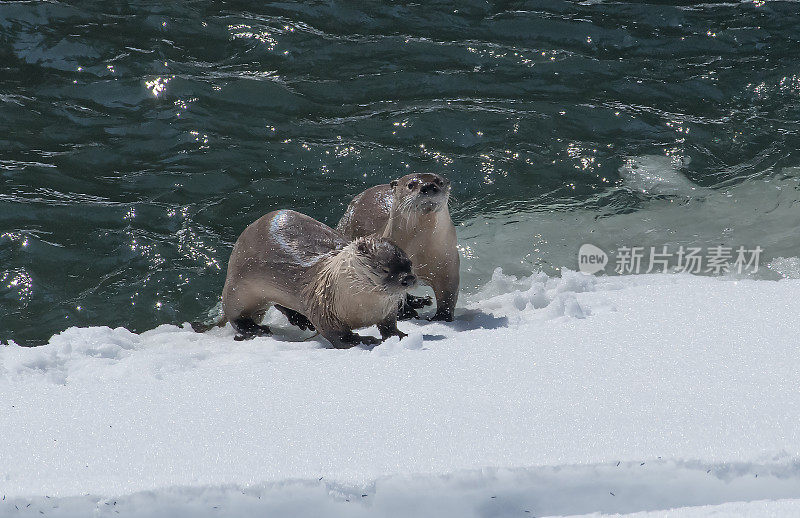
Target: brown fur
[(290, 259), (420, 224)]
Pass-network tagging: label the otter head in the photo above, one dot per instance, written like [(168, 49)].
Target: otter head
[(421, 192), (385, 264)]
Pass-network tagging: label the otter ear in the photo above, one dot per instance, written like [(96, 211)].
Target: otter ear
[(362, 247), (393, 184)]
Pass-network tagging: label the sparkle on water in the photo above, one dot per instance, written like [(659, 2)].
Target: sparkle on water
[(161, 131)]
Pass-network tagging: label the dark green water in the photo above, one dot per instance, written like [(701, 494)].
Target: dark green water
[(137, 140)]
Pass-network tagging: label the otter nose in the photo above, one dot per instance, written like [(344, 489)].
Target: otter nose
[(429, 188), (409, 280)]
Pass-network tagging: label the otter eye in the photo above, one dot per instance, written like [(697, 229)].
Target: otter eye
[(413, 184), (439, 181)]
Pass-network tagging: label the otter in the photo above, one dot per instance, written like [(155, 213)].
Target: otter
[(413, 213), (317, 278)]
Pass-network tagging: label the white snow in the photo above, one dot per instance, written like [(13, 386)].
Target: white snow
[(557, 396)]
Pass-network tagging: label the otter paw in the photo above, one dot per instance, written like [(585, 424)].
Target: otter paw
[(368, 340), (418, 302), (246, 329), (296, 318), (406, 312), (302, 322), (352, 339), (388, 333)]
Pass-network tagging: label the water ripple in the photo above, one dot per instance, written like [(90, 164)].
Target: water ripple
[(139, 140)]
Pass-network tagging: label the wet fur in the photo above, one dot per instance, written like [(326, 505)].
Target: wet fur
[(427, 236), (289, 259), (346, 296)]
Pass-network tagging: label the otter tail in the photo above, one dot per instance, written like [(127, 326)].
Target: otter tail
[(202, 327)]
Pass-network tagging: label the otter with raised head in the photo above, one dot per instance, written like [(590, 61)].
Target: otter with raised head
[(309, 271), (413, 213)]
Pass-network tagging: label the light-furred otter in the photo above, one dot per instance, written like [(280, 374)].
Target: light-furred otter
[(301, 265), (413, 212)]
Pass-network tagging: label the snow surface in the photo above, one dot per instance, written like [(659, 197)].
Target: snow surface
[(546, 396)]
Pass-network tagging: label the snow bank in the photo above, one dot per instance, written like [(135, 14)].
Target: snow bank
[(482, 493), (553, 395)]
